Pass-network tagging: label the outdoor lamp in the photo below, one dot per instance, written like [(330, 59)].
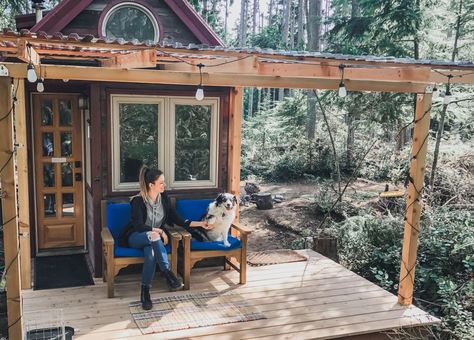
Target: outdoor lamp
[(435, 93), (447, 97), (40, 85), (200, 90), (342, 92), (31, 73)]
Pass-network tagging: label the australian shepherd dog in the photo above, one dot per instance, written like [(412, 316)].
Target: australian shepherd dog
[(220, 214)]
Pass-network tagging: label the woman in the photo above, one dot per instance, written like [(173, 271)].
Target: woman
[(151, 210)]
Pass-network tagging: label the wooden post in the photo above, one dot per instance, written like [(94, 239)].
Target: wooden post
[(233, 149), (10, 218), (415, 189), (23, 189)]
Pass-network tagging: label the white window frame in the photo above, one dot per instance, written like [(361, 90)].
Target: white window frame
[(116, 100), (166, 139), (147, 12), (213, 168)]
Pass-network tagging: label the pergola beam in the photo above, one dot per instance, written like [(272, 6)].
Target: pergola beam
[(210, 79), (136, 59)]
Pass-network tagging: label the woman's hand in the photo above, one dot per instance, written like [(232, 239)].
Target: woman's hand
[(207, 226), (203, 224), (161, 233)]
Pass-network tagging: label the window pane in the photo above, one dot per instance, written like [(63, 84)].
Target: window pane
[(46, 112), (193, 142), (130, 23), (48, 144), (66, 144), (68, 204), (48, 175), (138, 139), (66, 174), (49, 205), (65, 113)]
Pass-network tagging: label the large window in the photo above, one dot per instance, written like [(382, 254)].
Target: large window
[(177, 135), (130, 21)]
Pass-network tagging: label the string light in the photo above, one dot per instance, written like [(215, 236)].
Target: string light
[(200, 91), (30, 73), (342, 92), (447, 95), (435, 93), (40, 85)]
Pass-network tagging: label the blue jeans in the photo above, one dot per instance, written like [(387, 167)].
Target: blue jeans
[(154, 253)]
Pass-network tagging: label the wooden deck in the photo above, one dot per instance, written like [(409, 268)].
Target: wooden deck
[(316, 299)]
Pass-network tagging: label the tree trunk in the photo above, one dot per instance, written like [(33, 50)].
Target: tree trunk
[(270, 13), (204, 10), (250, 104), (314, 25), (311, 122), (301, 11), (226, 19), (256, 10), (243, 24), (350, 138)]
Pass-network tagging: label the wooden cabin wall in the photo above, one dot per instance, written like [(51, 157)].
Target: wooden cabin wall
[(173, 28)]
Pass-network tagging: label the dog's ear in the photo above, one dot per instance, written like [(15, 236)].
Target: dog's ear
[(220, 199)]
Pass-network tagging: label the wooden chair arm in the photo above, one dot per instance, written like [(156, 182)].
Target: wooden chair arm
[(241, 229), (183, 232), (173, 232), (107, 238)]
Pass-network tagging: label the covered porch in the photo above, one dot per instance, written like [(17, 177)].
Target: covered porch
[(313, 299)]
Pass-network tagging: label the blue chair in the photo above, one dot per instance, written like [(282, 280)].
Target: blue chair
[(194, 251), (115, 217)]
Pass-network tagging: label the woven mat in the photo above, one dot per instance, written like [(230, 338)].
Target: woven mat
[(267, 257), (192, 310)]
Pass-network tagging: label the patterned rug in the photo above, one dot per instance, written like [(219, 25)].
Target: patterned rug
[(267, 257), (192, 310)]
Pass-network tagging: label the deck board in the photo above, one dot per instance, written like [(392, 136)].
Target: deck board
[(314, 299)]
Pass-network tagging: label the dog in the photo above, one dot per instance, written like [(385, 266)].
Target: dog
[(220, 214)]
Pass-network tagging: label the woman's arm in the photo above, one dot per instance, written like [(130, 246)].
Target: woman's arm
[(138, 218)]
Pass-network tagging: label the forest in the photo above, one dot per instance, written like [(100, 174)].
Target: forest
[(329, 139)]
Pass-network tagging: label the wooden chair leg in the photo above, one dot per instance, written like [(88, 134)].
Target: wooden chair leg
[(110, 279), (186, 262), (174, 256), (243, 260), (226, 263)]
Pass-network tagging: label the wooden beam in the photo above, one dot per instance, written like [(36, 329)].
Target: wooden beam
[(222, 79), (9, 210), (415, 190), (234, 144), (459, 76), (23, 188), (136, 59), (27, 53)]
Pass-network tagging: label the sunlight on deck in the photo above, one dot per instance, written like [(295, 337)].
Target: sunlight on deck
[(317, 298)]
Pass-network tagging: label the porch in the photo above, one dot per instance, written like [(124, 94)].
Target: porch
[(317, 298)]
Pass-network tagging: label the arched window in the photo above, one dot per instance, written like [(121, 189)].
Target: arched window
[(130, 21)]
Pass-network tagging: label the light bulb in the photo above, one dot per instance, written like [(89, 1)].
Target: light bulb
[(31, 73), (40, 85), (342, 90), (199, 93), (435, 93), (65, 80), (447, 98)]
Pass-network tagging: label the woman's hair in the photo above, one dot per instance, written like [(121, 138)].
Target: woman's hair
[(146, 177)]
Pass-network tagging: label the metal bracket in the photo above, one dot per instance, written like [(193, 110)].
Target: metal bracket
[(3, 71)]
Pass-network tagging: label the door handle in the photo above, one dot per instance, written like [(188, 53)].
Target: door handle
[(78, 177)]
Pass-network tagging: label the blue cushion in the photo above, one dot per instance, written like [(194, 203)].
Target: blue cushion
[(192, 209), (234, 244), (118, 217), (132, 252)]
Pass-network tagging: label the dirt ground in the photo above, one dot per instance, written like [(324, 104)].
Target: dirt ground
[(286, 223)]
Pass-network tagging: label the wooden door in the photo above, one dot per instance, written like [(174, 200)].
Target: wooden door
[(57, 128)]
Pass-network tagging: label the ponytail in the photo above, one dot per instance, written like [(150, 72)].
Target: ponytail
[(145, 177)]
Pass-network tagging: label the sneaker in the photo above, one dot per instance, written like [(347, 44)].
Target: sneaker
[(173, 281)]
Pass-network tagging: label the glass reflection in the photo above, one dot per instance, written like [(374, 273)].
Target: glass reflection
[(48, 144), (48, 175), (68, 204), (65, 113), (46, 112), (66, 144), (66, 174), (49, 205)]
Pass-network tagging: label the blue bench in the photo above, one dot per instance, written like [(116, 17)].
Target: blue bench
[(115, 217), (194, 251)]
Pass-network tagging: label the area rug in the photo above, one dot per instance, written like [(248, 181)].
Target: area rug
[(61, 271), (177, 312), (267, 257)]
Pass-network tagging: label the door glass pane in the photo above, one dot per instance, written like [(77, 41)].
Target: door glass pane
[(48, 144), (193, 142), (66, 174), (138, 139), (65, 113), (66, 144), (68, 204), (46, 112), (48, 175), (49, 205)]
